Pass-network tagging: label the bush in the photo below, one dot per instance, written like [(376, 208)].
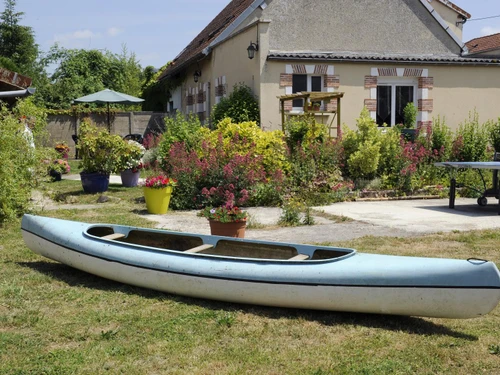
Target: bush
[(494, 135), (471, 140), (240, 138), (410, 115), (314, 160), (240, 106), (362, 148), (17, 165), (214, 178), (99, 151)]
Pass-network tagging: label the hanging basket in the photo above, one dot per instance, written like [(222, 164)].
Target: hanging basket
[(157, 200), (234, 229)]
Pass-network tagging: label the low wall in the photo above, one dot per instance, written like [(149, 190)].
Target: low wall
[(63, 127)]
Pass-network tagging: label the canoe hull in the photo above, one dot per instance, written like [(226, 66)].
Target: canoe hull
[(429, 301)]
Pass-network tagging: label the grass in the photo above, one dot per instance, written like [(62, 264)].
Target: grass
[(58, 320)]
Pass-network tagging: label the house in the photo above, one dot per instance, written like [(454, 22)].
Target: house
[(380, 54), (14, 85), (486, 46)]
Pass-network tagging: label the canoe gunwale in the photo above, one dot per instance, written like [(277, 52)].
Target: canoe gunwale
[(302, 249)]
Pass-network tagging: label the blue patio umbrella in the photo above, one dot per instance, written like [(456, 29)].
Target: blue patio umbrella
[(109, 96)]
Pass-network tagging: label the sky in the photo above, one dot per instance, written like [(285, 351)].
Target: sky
[(156, 31)]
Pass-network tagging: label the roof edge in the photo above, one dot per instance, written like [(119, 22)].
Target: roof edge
[(234, 25), (443, 24)]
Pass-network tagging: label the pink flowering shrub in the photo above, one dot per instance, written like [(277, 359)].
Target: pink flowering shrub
[(211, 177)]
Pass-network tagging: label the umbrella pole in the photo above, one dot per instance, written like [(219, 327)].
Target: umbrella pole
[(109, 122)]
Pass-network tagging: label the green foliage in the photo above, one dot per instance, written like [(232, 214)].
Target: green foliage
[(247, 135), (156, 92), (185, 129), (17, 43), (81, 72), (99, 151), (362, 148), (240, 106), (441, 139), (471, 140), (410, 115), (494, 134), (314, 160), (290, 216), (19, 160)]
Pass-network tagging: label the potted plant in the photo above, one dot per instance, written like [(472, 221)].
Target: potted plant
[(227, 220), (100, 154), (157, 192), (131, 163), (63, 149), (57, 168)]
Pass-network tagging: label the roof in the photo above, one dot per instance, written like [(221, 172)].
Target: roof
[(213, 33), (370, 57), (221, 22), (484, 44), (456, 8)]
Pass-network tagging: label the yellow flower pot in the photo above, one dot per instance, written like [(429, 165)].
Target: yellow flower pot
[(157, 200)]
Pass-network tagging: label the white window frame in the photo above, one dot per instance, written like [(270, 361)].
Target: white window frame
[(398, 81), (309, 88)]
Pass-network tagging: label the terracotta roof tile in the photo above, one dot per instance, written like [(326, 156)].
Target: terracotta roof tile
[(483, 44), (209, 33)]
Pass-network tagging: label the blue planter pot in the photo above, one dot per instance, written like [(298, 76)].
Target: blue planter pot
[(94, 182)]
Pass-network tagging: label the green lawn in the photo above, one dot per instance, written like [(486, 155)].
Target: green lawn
[(58, 320)]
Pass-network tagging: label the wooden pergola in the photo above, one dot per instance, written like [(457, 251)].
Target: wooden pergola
[(312, 97)]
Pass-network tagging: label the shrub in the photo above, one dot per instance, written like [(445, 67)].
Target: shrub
[(240, 138), (494, 135), (213, 177), (410, 115), (99, 151), (240, 106), (181, 128), (471, 140), (17, 165), (314, 161), (362, 148)]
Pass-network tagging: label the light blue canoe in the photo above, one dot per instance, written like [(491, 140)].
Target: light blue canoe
[(269, 273)]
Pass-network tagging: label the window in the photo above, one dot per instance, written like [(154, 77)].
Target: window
[(304, 82), (392, 98)]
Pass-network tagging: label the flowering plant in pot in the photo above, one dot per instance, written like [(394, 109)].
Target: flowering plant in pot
[(157, 192), (131, 163), (57, 168), (63, 149), (100, 154), (227, 220)]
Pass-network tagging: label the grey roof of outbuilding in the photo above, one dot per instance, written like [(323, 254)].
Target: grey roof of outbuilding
[(386, 57)]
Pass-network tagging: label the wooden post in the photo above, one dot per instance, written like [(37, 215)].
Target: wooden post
[(282, 102), (338, 116)]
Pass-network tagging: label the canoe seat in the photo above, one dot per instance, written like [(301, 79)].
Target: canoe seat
[(113, 236), (197, 249), (299, 257)]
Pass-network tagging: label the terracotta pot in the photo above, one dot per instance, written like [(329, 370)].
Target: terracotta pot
[(157, 200), (130, 178), (234, 229)]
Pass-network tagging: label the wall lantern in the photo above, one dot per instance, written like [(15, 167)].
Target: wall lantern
[(197, 75), (252, 48)]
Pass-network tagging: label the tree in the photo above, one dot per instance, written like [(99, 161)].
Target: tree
[(81, 72), (17, 43)]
